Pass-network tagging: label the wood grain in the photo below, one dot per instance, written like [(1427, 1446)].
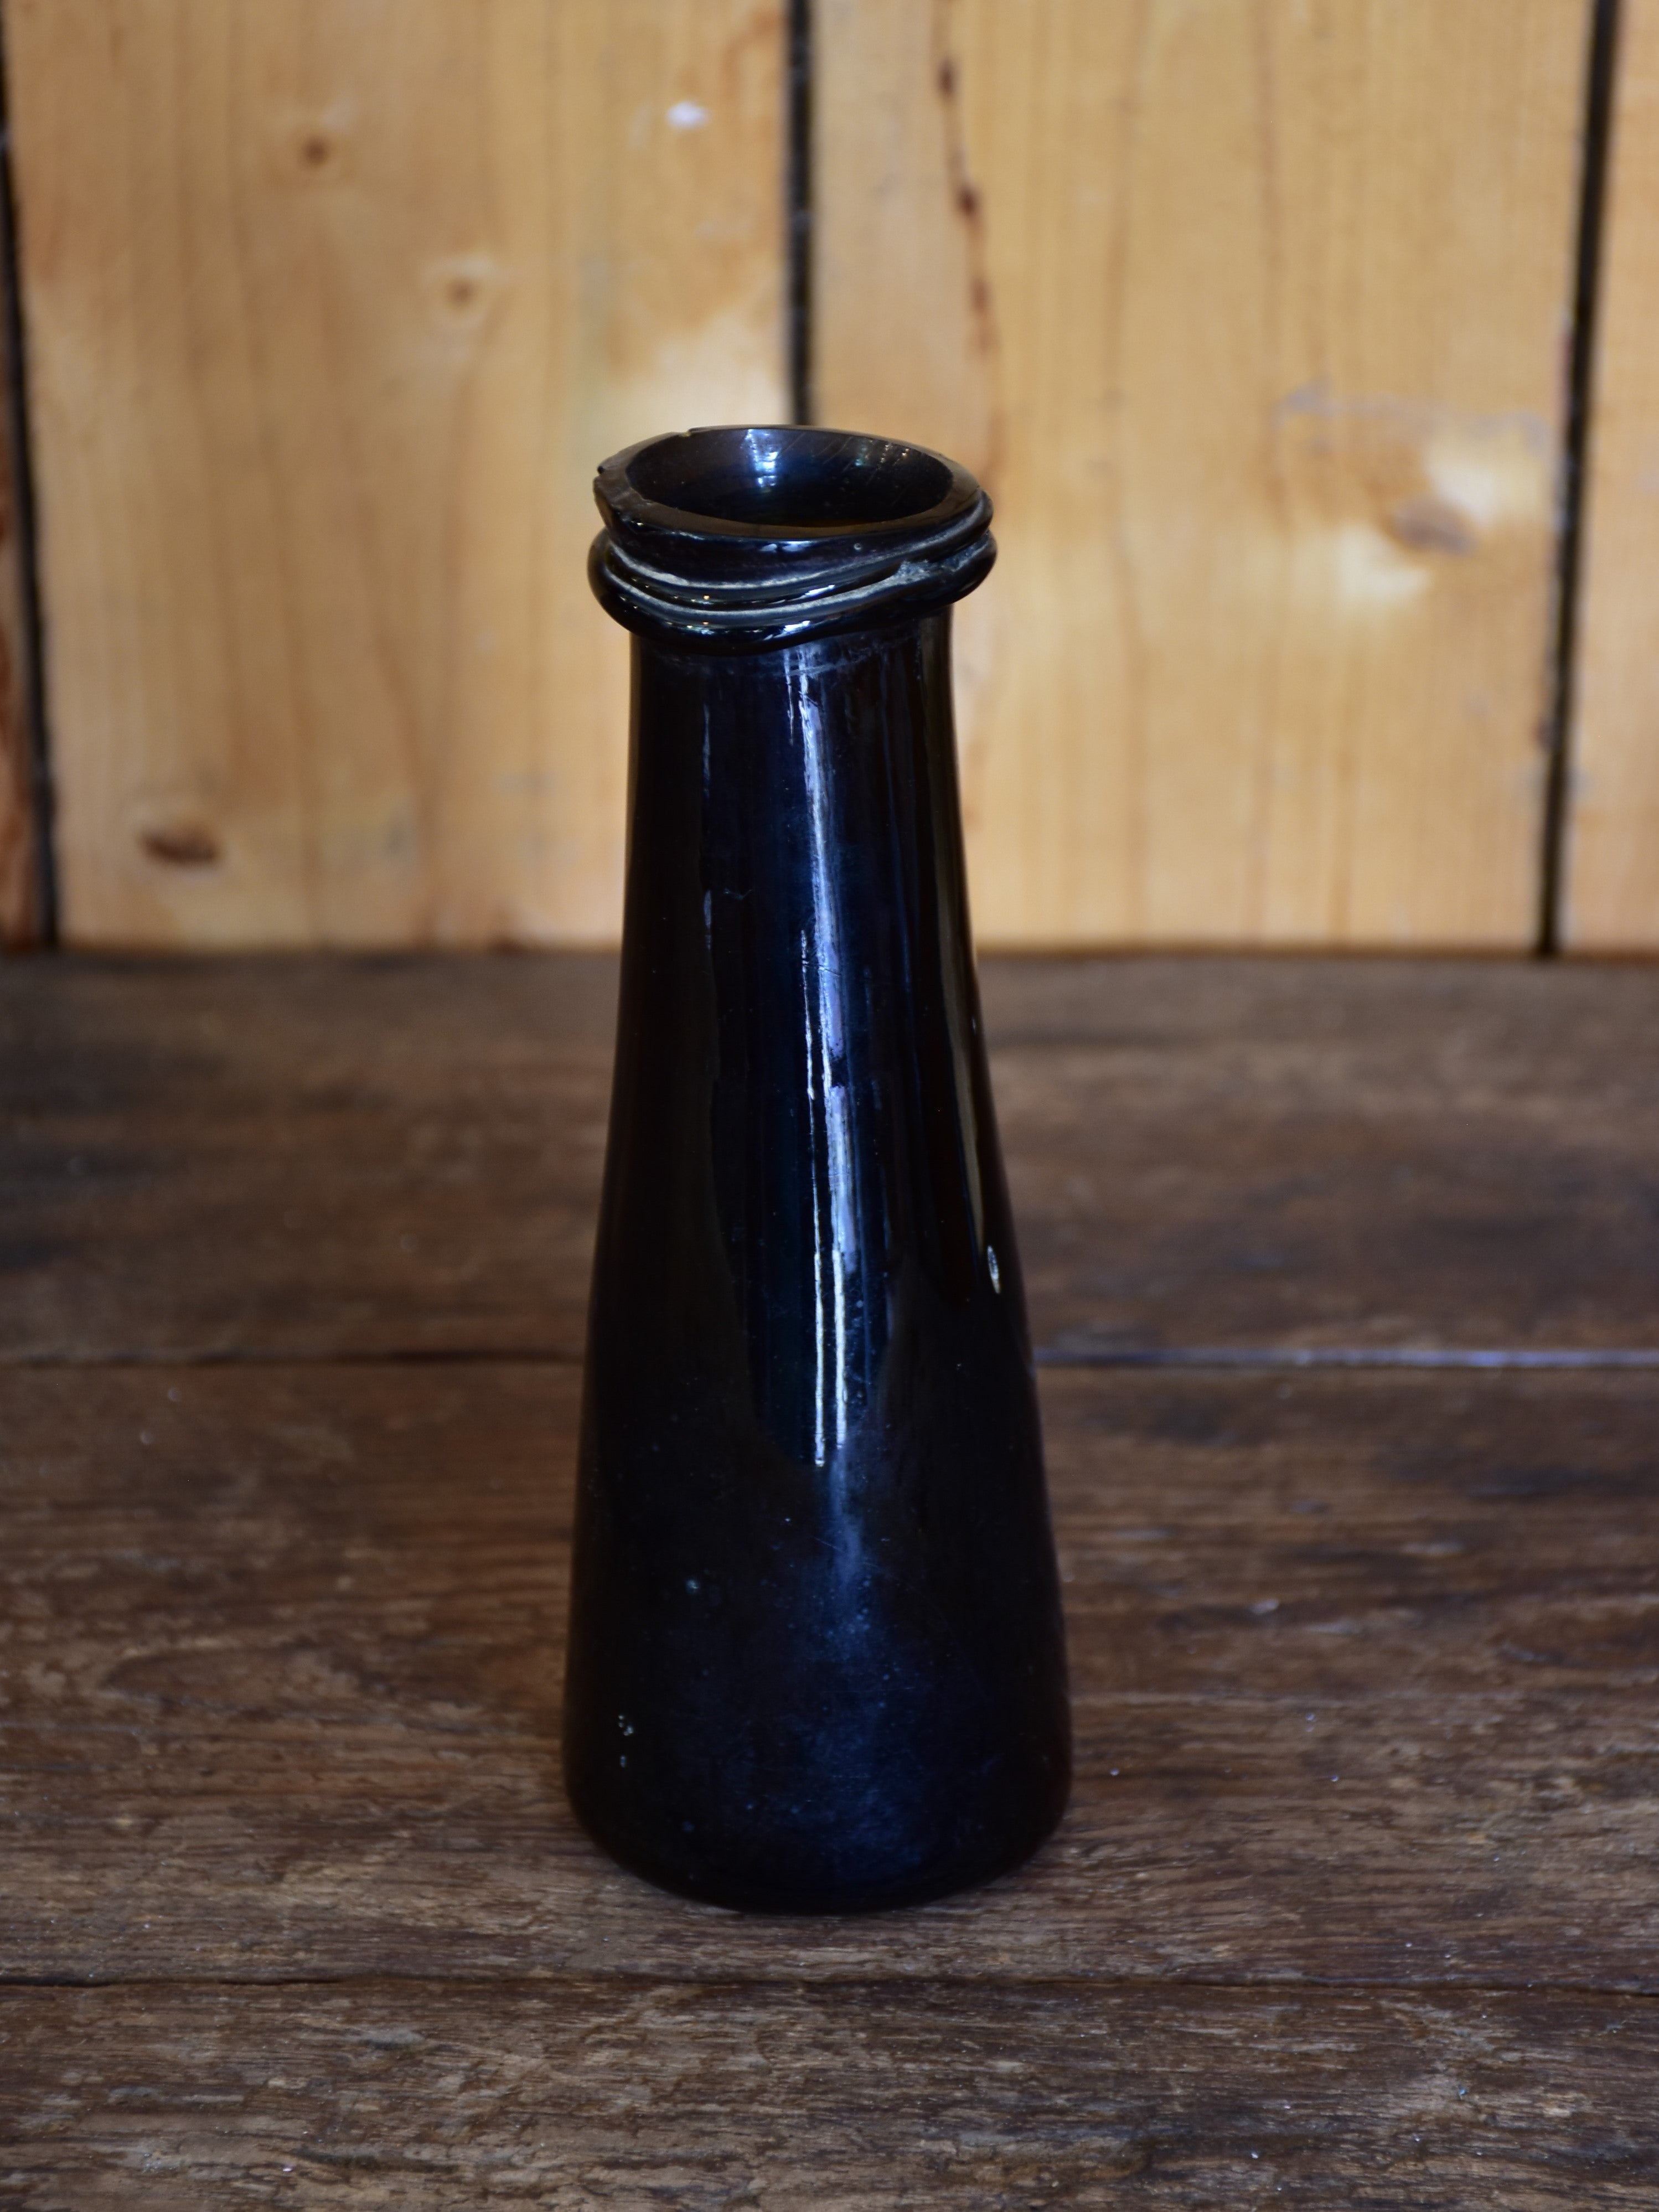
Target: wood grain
[(1364, 1669), (827, 2100), (333, 306), (21, 917), (1251, 317), (310, 1158), (1612, 864), (1355, 1903), (241, 1156), (1321, 1154)]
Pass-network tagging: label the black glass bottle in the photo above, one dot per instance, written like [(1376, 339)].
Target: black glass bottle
[(816, 1658)]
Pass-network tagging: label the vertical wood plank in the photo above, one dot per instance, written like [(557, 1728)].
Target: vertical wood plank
[(20, 915), (1253, 318), (1612, 847), (332, 306)]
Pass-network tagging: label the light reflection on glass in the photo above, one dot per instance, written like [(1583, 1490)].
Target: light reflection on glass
[(764, 458), (835, 1209)]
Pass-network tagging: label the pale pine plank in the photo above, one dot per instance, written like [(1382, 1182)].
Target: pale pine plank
[(1612, 876), (1253, 320), (333, 305), (20, 916)]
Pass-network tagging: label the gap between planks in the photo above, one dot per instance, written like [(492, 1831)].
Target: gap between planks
[(762, 1989), (1595, 164), (1182, 1359)]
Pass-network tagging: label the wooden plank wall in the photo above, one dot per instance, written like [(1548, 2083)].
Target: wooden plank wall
[(22, 892), (333, 306), (1611, 882), (1261, 310), (1255, 317)]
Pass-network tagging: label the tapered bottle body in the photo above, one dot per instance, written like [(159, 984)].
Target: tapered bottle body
[(816, 1658)]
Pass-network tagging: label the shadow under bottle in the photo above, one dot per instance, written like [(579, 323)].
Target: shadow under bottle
[(816, 1657)]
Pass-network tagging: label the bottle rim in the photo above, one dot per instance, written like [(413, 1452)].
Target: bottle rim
[(744, 536)]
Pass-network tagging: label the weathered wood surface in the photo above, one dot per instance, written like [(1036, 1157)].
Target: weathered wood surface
[(1365, 1670), (292, 1158), (1252, 319), (1356, 1903), (302, 1156), (827, 2100), (333, 306), (1611, 890)]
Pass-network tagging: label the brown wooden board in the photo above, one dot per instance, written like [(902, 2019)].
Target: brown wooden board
[(305, 1157), (1304, 1153), (1364, 1671), (833, 2098), (312, 1159)]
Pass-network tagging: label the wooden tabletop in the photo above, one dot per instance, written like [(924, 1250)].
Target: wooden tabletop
[(1345, 1278)]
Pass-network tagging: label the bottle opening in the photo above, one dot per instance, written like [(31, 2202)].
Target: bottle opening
[(789, 480), (757, 534)]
